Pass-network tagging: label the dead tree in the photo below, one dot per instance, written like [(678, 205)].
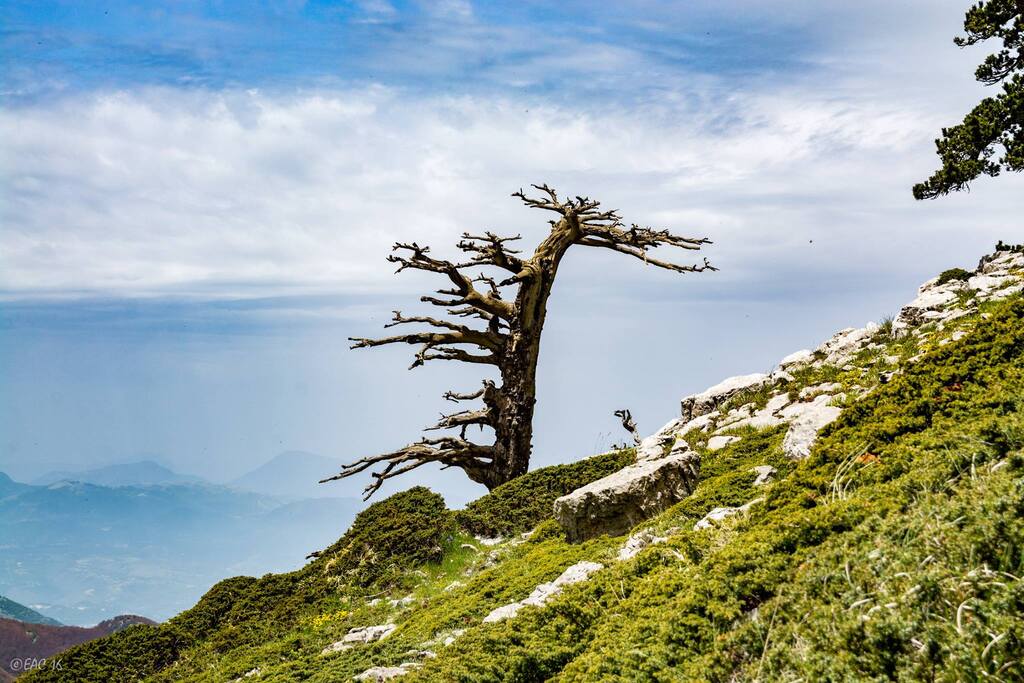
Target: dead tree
[(628, 424), (506, 295)]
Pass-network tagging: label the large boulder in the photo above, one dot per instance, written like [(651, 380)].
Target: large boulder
[(618, 502)]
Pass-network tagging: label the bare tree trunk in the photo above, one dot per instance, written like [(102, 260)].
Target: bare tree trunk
[(511, 340)]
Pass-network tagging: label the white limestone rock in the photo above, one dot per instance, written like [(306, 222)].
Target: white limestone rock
[(385, 673), (746, 416), (360, 636), (663, 441), (843, 345), (616, 503), (797, 358), (817, 389), (488, 541), (578, 572), (452, 636), (934, 303), (718, 514), (1006, 291), (637, 542), (765, 474), (712, 397), (805, 421), (654, 446), (716, 443)]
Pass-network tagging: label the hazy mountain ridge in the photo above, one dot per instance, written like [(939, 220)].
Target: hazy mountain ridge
[(140, 473), (89, 552), (292, 474)]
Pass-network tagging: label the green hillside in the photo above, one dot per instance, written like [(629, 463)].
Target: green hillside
[(9, 609), (894, 551)]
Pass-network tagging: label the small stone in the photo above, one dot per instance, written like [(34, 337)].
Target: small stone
[(386, 673), (718, 514), (765, 473), (488, 541), (359, 636), (449, 639), (718, 442), (637, 542), (813, 390)]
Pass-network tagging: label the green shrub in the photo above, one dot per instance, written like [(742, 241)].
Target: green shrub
[(524, 502), (390, 538), (953, 274)]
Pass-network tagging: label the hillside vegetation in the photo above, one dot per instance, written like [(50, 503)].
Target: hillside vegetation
[(894, 551)]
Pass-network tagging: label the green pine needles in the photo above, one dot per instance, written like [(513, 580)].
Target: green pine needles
[(990, 139)]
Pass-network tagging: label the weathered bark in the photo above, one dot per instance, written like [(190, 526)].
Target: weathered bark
[(511, 336)]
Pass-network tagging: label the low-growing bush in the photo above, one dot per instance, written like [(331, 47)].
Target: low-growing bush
[(953, 274), (391, 537)]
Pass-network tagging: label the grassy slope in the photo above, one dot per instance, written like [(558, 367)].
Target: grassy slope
[(893, 552)]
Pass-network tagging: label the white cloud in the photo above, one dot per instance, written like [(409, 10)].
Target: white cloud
[(168, 191)]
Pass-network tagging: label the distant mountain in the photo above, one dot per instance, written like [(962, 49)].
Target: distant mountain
[(10, 487), (293, 474), (14, 610), (21, 641), (142, 473), (85, 552)]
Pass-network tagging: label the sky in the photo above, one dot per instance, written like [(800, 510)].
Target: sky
[(196, 200)]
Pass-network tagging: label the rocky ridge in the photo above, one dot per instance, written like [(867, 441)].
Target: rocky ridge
[(668, 467)]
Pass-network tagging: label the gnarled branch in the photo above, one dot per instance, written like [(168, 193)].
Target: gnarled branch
[(449, 451), (628, 424)]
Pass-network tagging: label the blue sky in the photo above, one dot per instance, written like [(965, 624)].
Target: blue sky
[(197, 199), (450, 44)]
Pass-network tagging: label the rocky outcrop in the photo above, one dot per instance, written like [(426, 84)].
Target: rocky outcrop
[(709, 399), (805, 421), (360, 636), (614, 504), (578, 572), (386, 673), (666, 469), (953, 295)]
